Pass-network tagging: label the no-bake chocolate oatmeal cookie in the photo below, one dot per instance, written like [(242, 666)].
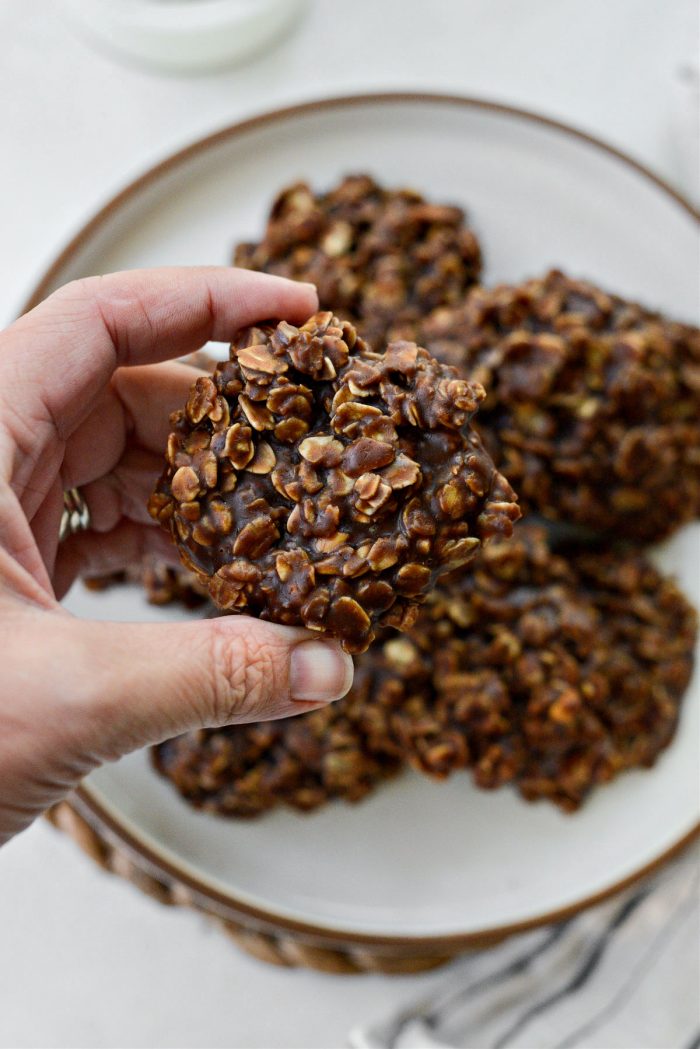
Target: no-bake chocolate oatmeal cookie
[(553, 673), (378, 257), (314, 482), (593, 406), (550, 673)]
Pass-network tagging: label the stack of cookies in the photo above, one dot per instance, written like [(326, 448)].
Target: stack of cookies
[(356, 475)]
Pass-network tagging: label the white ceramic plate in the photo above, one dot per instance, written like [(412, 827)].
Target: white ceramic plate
[(417, 859)]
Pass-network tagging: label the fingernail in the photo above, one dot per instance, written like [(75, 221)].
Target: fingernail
[(319, 671)]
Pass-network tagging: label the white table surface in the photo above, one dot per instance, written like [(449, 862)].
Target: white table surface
[(86, 960)]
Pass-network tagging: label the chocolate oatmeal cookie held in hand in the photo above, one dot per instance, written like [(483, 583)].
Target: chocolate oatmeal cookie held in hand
[(382, 258), (593, 403), (313, 482)]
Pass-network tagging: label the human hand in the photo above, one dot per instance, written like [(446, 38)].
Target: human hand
[(83, 403)]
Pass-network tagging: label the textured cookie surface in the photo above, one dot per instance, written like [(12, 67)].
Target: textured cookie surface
[(343, 751), (593, 403), (314, 482), (378, 257), (554, 673)]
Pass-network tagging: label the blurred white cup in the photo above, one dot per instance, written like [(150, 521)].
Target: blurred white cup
[(185, 36)]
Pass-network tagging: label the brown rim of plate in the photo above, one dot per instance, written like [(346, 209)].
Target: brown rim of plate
[(223, 904)]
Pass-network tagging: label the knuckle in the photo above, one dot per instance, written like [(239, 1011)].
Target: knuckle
[(86, 301), (244, 672)]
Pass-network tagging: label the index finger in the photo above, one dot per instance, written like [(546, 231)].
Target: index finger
[(56, 358)]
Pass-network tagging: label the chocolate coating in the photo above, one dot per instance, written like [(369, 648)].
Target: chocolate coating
[(377, 256), (593, 403), (314, 482)]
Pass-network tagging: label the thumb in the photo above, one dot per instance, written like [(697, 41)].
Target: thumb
[(141, 683), (78, 693)]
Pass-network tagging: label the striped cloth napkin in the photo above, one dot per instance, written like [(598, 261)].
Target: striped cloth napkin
[(623, 974)]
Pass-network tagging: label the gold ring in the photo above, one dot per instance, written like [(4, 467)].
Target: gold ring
[(76, 514)]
